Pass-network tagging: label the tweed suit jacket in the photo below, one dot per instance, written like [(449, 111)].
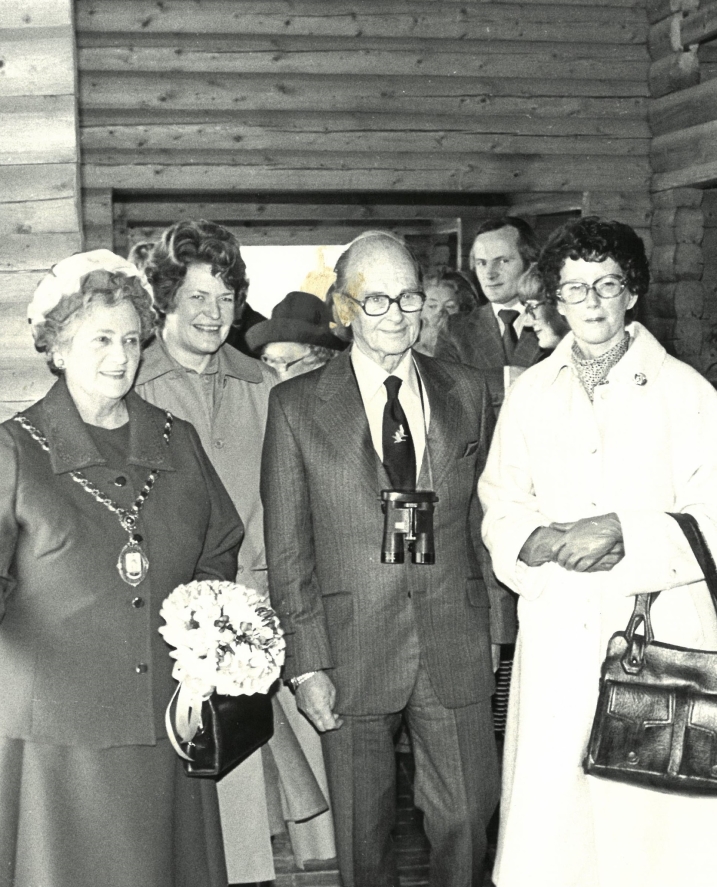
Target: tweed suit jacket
[(342, 609), (475, 340)]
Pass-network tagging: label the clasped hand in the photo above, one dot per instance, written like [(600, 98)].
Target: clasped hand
[(589, 545)]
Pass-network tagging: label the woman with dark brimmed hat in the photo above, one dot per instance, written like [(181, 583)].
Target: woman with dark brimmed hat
[(298, 337)]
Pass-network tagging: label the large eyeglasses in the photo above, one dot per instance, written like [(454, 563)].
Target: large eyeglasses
[(608, 287), (532, 305), (377, 304)]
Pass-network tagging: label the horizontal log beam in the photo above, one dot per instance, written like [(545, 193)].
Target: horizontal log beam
[(39, 216), (197, 139), (25, 117), (680, 110), (40, 14), (38, 182), (26, 384), (703, 175), (165, 212), (483, 113), (440, 95), (674, 72), (699, 26), (361, 62), (17, 286), (25, 252), (430, 20), (659, 9), (37, 61), (487, 173), (295, 235), (693, 146)]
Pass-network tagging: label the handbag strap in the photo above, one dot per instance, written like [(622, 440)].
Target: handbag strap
[(643, 602), (689, 526)]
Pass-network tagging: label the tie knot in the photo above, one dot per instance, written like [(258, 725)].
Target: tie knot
[(393, 384), (508, 316)]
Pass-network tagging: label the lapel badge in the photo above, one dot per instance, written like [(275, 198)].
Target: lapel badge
[(640, 379)]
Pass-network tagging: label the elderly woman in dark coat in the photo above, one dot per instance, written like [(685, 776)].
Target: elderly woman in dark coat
[(95, 531)]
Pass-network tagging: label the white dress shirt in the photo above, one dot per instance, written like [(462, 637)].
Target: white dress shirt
[(412, 397)]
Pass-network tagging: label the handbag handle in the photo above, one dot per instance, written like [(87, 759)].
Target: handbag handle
[(633, 660)]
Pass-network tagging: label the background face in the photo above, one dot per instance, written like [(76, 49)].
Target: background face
[(101, 353), (598, 324), (288, 359), (440, 302), (379, 266), (202, 315), (542, 320), (498, 264)]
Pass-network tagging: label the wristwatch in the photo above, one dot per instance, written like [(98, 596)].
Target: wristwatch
[(299, 680)]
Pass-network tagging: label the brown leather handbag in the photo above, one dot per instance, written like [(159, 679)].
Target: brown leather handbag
[(656, 718)]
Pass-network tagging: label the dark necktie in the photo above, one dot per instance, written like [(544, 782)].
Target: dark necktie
[(510, 337), (399, 456)]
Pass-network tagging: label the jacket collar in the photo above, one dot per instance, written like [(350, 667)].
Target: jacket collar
[(157, 361), (640, 365), (343, 417), (72, 447)]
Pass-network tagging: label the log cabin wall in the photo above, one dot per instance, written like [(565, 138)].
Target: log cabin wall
[(39, 181), (683, 119), (246, 108)]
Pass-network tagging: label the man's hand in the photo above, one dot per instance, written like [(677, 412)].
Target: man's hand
[(585, 543), (316, 698), (538, 547)]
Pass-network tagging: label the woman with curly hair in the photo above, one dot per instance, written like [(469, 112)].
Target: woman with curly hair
[(200, 286), (106, 505), (594, 448)]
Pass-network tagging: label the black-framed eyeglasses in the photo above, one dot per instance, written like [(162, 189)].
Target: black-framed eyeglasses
[(575, 291), (378, 303), (531, 307)]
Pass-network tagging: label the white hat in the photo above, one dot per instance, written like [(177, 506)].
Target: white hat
[(65, 279)]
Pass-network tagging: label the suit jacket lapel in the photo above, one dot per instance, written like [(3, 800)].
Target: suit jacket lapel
[(447, 418), (527, 351), (342, 417)]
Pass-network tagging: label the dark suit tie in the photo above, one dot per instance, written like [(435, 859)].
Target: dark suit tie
[(510, 337), (399, 455)]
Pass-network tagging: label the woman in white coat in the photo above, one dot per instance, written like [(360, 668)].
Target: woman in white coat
[(594, 446)]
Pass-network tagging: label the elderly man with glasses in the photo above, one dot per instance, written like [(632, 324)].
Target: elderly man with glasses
[(372, 636)]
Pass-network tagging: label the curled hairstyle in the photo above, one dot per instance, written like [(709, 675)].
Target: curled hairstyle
[(593, 240), (528, 245), (108, 288), (187, 243)]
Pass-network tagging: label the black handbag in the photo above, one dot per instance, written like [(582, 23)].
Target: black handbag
[(656, 718), (233, 727)]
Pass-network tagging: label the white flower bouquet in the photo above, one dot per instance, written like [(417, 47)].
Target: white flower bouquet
[(227, 641)]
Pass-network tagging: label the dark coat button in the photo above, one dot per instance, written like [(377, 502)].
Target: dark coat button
[(137, 602), (120, 481), (141, 668)]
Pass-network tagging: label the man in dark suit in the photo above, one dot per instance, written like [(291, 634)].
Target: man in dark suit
[(494, 337), (368, 642)]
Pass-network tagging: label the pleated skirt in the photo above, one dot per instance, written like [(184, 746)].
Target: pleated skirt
[(119, 817)]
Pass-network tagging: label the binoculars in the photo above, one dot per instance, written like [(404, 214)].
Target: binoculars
[(408, 520)]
